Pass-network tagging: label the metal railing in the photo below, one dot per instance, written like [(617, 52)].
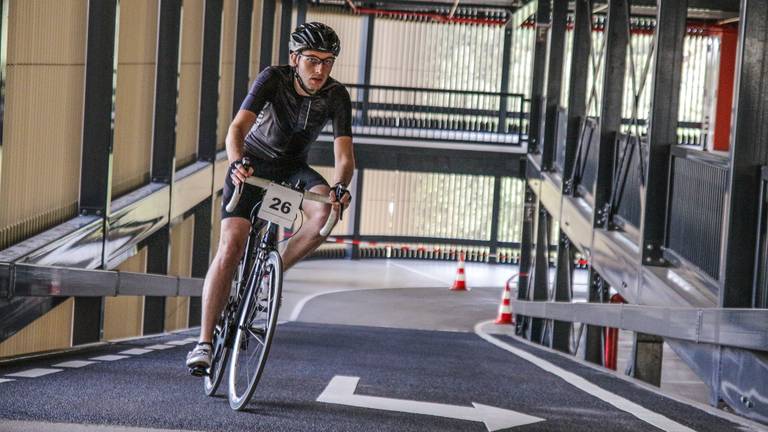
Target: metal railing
[(699, 183), (438, 114)]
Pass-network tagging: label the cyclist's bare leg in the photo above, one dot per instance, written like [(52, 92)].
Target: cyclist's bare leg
[(308, 238), (218, 280)]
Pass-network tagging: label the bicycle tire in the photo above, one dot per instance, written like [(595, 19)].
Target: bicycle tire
[(248, 354), (222, 335)]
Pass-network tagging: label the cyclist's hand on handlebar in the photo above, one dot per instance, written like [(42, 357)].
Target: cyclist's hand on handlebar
[(240, 170), (340, 198)]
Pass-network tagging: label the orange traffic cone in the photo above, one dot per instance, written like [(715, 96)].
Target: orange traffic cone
[(505, 312), (460, 284)]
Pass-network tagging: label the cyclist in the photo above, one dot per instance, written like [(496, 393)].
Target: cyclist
[(283, 113)]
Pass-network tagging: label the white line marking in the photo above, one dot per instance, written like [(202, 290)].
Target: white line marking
[(3, 380), (179, 342), (426, 275), (135, 351), (74, 364), (341, 391), (34, 373), (110, 357), (300, 305), (158, 347), (580, 383)]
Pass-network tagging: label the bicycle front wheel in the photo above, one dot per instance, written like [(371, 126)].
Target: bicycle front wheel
[(255, 329), (222, 340)]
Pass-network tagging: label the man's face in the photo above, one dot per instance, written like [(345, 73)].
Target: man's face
[(313, 67)]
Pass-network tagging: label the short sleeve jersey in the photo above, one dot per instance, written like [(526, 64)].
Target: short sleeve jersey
[(287, 122)]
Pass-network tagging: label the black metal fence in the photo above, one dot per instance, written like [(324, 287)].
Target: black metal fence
[(699, 183), (439, 114)]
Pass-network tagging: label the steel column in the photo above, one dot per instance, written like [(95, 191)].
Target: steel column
[(540, 271), (366, 60), (495, 210), (3, 71), (98, 129), (556, 54), (158, 258), (506, 54), (286, 10), (561, 330), (594, 345), (242, 53), (268, 8), (166, 91), (577, 87), (662, 130), (357, 210), (301, 11), (529, 218), (537, 83), (209, 81), (617, 32), (647, 354), (747, 153), (201, 253), (88, 320)]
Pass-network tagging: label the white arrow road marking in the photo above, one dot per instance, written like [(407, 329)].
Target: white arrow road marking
[(341, 391)]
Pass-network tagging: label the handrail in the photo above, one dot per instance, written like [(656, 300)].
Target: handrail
[(30, 280), (740, 328)]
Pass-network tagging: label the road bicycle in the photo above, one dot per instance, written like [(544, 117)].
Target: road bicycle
[(245, 329)]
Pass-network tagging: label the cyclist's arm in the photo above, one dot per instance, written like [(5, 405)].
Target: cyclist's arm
[(344, 160), (235, 140)]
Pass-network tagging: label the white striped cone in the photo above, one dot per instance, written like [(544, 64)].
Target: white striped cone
[(460, 284), (505, 311)]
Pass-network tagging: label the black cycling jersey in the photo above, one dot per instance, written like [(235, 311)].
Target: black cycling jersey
[(287, 122)]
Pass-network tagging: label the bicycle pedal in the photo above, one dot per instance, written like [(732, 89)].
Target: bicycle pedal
[(198, 371)]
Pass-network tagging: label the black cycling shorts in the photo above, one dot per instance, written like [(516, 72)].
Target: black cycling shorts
[(279, 173)]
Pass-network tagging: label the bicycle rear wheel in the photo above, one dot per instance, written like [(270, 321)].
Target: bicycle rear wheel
[(255, 329)]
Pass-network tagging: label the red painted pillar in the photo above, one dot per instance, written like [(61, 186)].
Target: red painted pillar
[(729, 37), (612, 340)]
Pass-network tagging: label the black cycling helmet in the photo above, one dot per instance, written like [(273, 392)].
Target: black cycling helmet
[(314, 36)]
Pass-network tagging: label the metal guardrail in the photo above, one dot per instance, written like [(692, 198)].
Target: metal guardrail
[(29, 280), (740, 328)]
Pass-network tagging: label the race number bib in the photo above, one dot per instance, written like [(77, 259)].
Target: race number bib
[(280, 205)]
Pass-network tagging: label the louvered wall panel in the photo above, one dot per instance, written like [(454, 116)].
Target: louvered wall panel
[(124, 315), (45, 67), (177, 308), (52, 331), (254, 68), (427, 204), (226, 70), (189, 82), (349, 28), (135, 95)]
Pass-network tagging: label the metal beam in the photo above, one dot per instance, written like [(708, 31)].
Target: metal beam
[(286, 11), (540, 280), (577, 90), (242, 53), (365, 60), (158, 259), (556, 55), (594, 341), (748, 153), (647, 355), (166, 92), (268, 8), (617, 32), (356, 214), (538, 72), (301, 11), (561, 330), (98, 133), (662, 132), (734, 327), (495, 210), (506, 53), (209, 81)]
